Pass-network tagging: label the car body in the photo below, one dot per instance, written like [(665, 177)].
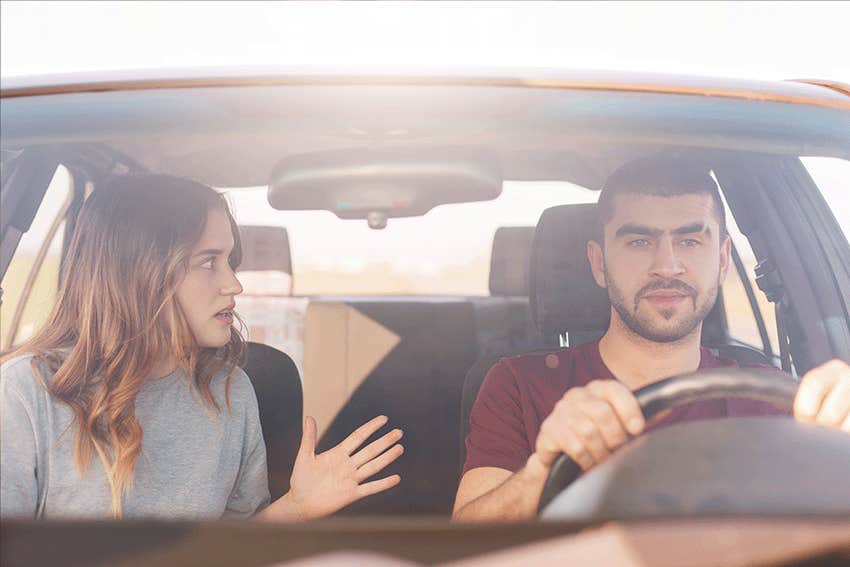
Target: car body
[(381, 149)]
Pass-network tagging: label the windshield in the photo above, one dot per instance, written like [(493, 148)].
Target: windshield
[(402, 362), (444, 252)]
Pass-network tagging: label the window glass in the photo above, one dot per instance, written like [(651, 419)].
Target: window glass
[(739, 312), (446, 251), (46, 281), (832, 176)]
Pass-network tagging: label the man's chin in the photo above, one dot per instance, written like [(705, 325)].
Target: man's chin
[(666, 333), (664, 327)]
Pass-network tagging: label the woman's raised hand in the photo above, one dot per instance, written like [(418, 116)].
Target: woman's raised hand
[(322, 484)]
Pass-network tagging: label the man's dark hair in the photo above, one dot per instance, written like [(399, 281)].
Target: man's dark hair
[(667, 175)]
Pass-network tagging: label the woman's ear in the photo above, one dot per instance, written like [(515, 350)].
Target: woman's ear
[(597, 262)]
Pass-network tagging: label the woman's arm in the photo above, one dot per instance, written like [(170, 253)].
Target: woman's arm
[(18, 481)]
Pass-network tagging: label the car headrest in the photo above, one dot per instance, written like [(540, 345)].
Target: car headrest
[(265, 248), (509, 261), (564, 296)]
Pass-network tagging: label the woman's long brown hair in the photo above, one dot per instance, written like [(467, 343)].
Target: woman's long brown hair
[(116, 315)]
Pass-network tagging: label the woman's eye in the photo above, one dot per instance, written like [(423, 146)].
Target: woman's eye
[(208, 264)]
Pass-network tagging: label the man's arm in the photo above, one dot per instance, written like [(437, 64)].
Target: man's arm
[(498, 494), (587, 424)]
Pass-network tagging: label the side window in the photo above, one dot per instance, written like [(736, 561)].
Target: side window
[(831, 175), (31, 282), (740, 312)]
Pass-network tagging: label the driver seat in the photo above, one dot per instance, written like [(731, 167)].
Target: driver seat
[(566, 301)]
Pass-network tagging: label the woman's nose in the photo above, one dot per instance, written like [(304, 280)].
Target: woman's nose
[(232, 286)]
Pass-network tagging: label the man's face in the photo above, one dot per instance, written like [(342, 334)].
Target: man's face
[(663, 262), (206, 294)]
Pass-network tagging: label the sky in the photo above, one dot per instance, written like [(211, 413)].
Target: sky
[(759, 40), (738, 39)]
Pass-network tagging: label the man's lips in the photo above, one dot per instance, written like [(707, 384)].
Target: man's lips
[(665, 294), (665, 299)]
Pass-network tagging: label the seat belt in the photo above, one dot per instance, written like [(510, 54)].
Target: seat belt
[(769, 281)]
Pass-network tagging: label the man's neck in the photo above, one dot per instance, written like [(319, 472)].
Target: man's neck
[(637, 362)]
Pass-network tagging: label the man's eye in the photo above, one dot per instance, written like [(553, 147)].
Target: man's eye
[(690, 242), (639, 243), (208, 264)]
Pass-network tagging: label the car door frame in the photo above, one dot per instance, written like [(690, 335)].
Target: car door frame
[(789, 225)]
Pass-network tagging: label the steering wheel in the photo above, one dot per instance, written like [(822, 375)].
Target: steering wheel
[(719, 383)]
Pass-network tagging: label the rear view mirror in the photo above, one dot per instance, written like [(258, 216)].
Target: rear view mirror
[(378, 184)]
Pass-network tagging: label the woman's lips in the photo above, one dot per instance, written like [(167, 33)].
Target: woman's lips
[(224, 319)]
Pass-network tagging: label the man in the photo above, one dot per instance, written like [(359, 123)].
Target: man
[(662, 255)]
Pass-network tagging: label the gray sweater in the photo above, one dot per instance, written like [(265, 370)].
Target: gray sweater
[(194, 464)]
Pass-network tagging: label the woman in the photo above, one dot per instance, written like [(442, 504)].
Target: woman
[(128, 402)]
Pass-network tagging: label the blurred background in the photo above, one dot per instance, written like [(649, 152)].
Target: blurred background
[(421, 255)]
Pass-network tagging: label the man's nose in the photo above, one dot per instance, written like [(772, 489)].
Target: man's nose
[(665, 262)]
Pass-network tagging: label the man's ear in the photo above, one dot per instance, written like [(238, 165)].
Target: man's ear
[(597, 262), (725, 257)]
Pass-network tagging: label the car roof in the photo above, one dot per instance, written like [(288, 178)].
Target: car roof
[(537, 124), (808, 91)]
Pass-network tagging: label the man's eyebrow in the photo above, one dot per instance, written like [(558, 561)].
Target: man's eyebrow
[(631, 228), (643, 230), (692, 228)]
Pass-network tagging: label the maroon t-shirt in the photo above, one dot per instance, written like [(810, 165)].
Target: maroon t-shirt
[(519, 392)]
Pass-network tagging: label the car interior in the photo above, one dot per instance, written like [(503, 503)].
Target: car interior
[(385, 156), (439, 348)]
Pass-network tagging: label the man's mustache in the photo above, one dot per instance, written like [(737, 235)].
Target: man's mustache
[(666, 285)]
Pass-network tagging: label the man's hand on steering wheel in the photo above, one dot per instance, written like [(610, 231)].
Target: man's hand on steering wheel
[(824, 396), (588, 423), (592, 421)]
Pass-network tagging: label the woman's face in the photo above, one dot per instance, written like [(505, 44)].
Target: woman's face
[(206, 295)]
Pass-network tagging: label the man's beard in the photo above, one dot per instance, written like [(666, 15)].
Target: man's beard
[(646, 326)]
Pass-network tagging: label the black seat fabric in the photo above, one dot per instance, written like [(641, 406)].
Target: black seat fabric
[(564, 296), (509, 261), (503, 320), (418, 386), (278, 388)]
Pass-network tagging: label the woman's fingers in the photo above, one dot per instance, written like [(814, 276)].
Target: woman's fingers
[(308, 438), (377, 486), (375, 448), (361, 434), (378, 464)]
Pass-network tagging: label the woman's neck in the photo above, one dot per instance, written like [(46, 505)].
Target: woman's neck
[(162, 368)]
